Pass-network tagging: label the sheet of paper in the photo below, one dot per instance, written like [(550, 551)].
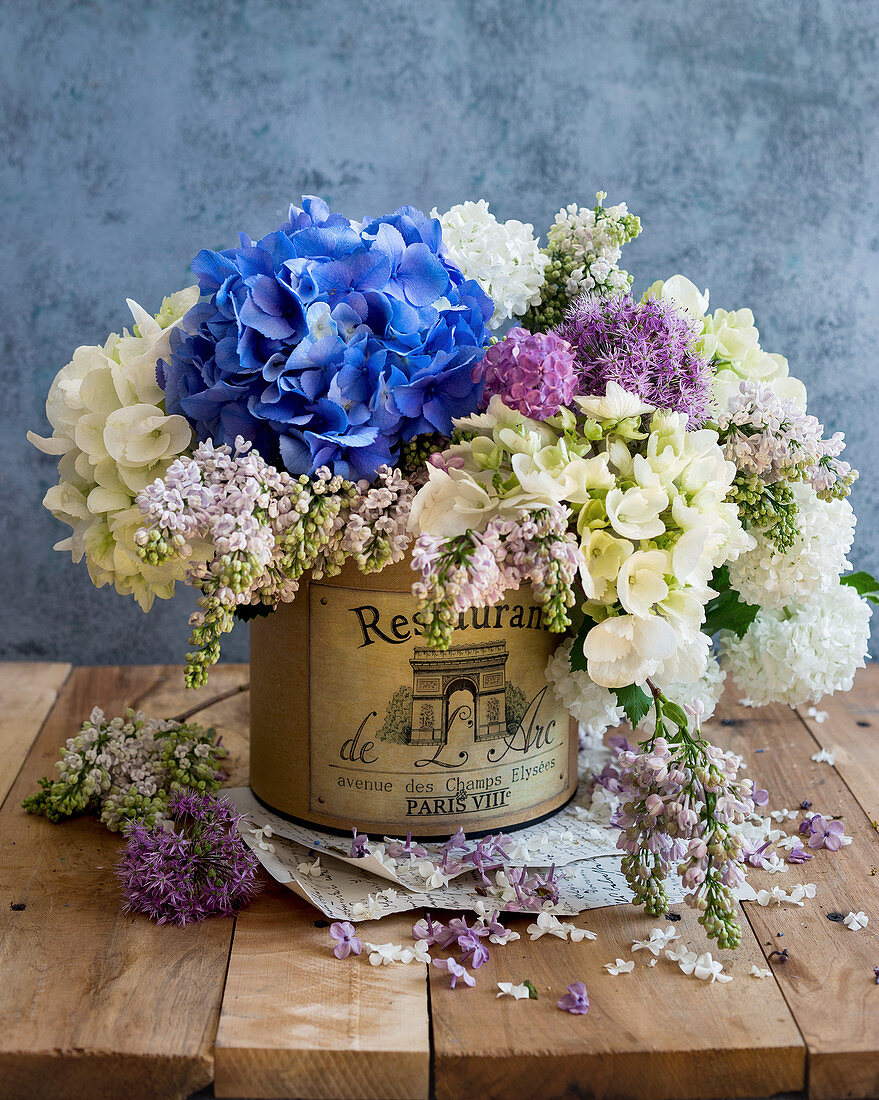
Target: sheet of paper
[(343, 891), (571, 835)]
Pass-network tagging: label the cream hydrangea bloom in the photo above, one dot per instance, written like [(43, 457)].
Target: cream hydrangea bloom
[(113, 438), (503, 257), (730, 337)]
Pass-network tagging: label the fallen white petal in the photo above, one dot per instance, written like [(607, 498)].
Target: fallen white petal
[(619, 967), (507, 989), (824, 757)]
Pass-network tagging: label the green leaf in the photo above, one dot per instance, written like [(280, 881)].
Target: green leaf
[(864, 584), (728, 612), (578, 657), (532, 992), (675, 713), (635, 702)]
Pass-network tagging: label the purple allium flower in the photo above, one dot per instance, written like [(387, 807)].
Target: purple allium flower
[(824, 833), (197, 868), (347, 940), (645, 347), (534, 373), (798, 855), (359, 845), (455, 970), (576, 1000)]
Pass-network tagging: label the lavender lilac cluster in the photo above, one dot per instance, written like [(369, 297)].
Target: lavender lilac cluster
[(250, 531), (683, 804), (773, 440), (534, 373), (198, 867), (477, 568), (328, 342), (648, 348)]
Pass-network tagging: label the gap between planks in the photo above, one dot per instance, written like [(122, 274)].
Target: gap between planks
[(28, 691), (828, 982), (96, 1003)]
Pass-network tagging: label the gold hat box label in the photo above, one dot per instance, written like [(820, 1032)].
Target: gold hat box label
[(354, 721)]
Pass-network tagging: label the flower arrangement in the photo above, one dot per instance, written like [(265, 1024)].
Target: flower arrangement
[(511, 415)]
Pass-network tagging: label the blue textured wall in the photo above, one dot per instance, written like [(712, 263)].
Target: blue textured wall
[(745, 135)]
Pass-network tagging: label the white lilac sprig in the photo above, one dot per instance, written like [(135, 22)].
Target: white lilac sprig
[(774, 440), (476, 569), (128, 768), (584, 247), (683, 804)]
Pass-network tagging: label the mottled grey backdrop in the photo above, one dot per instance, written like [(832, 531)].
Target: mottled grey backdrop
[(744, 134)]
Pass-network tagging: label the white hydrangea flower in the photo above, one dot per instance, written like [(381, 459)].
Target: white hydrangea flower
[(113, 438), (503, 257), (802, 653), (770, 578), (707, 690), (594, 707)]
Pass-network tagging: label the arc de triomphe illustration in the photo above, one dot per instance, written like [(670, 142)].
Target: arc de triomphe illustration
[(479, 669)]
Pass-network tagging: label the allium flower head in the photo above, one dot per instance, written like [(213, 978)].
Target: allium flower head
[(532, 373), (198, 867), (647, 347)]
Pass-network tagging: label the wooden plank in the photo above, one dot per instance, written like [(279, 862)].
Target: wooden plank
[(27, 691), (94, 1003), (829, 983), (296, 1021), (653, 1033), (851, 732)]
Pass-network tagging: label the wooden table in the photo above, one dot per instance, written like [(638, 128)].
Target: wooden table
[(94, 1003)]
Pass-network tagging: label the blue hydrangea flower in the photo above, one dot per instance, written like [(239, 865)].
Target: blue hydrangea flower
[(329, 343)]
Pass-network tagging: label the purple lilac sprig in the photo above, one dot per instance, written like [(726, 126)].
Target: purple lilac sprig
[(196, 867), (775, 441), (532, 372), (647, 347), (476, 569), (683, 804), (251, 531)]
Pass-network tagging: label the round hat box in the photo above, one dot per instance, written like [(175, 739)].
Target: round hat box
[(355, 722)]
